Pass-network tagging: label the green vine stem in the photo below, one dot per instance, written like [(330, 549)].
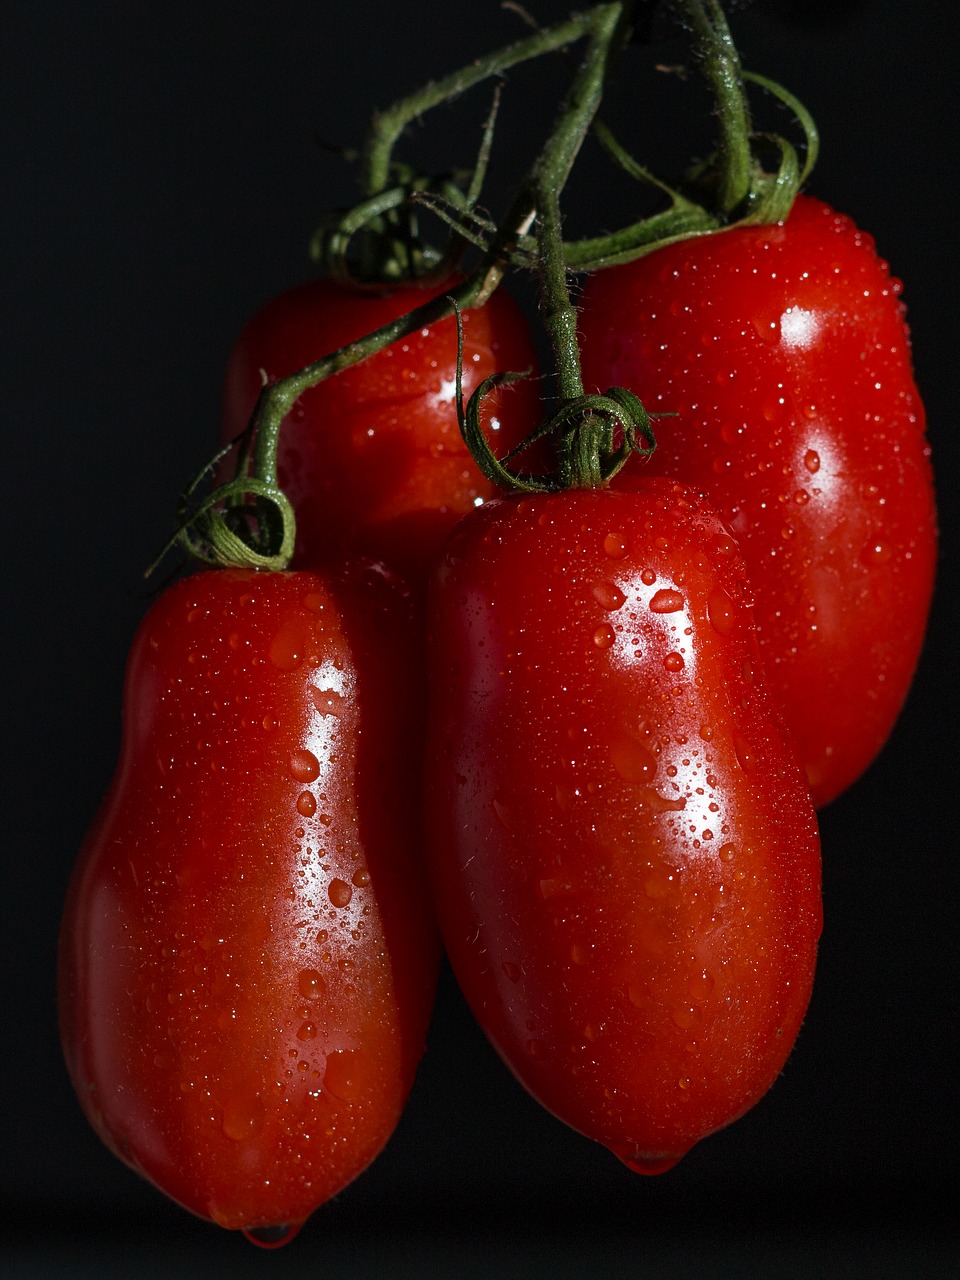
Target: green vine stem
[(388, 125), (585, 426), (719, 63)]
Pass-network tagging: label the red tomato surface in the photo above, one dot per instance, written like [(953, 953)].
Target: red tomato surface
[(372, 458), (624, 854), (784, 353), (247, 955)]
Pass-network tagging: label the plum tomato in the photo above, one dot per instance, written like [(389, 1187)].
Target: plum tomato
[(372, 458), (248, 957), (783, 352), (624, 853)]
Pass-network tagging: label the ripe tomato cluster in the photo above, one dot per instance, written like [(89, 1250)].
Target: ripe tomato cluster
[(579, 733)]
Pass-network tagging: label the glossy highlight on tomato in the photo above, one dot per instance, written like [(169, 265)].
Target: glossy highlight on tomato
[(372, 458), (624, 853), (783, 353), (248, 955)]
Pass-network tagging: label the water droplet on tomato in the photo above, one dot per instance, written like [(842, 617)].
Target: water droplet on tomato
[(614, 545), (327, 701), (633, 761), (674, 662), (307, 1031), (720, 611), (310, 984), (272, 1237), (875, 552), (650, 1163), (648, 577), (811, 460), (340, 893), (287, 650), (304, 765), (361, 878), (306, 804), (242, 1117), (513, 971), (701, 984), (686, 1016), (604, 636), (728, 852), (744, 754), (666, 600), (608, 595)]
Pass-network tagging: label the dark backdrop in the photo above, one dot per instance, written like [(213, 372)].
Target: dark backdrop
[(162, 179)]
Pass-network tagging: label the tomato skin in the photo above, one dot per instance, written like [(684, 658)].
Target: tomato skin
[(784, 353), (248, 956), (372, 458), (624, 855)]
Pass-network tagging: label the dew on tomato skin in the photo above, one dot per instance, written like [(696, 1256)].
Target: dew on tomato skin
[(615, 546), (604, 636), (306, 804), (721, 612), (633, 761), (327, 701), (339, 892), (674, 662), (311, 984), (875, 552), (666, 600), (648, 577), (608, 595), (811, 460), (512, 971), (272, 1237), (243, 1117), (304, 765), (649, 1164)]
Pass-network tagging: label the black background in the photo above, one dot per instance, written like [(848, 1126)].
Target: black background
[(162, 178)]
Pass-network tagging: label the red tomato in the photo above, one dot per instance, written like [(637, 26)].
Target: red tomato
[(372, 458), (247, 956), (624, 853), (784, 354)]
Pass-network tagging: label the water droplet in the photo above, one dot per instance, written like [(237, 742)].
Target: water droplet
[(304, 765), (306, 804), (811, 460), (513, 971), (604, 636), (608, 595), (701, 985), (272, 1237), (686, 1016), (615, 546), (327, 701), (727, 852), (288, 650), (721, 612), (666, 601), (876, 552), (307, 1031), (340, 893), (649, 1163), (310, 984), (674, 662), (648, 577), (361, 878), (744, 754), (633, 761), (242, 1117)]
